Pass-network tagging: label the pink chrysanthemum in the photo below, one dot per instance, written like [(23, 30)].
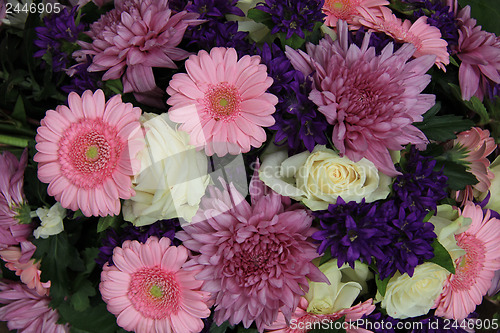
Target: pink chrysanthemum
[(149, 291), (370, 100), (479, 52), (86, 152), (11, 200), (302, 318), (28, 272), (426, 38), (135, 37), (26, 311), (347, 10), (475, 269), (479, 145), (246, 253), (222, 101)]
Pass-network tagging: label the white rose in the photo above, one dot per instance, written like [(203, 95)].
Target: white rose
[(328, 299), (319, 178), (173, 175), (52, 221), (414, 296), (448, 223)]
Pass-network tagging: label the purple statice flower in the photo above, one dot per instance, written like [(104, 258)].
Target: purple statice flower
[(294, 109), (56, 36), (214, 8), (293, 16), (352, 231), (440, 17), (113, 238), (411, 242), (419, 187), (82, 79), (215, 33)]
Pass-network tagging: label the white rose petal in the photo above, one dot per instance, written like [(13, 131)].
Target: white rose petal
[(319, 177), (173, 175), (52, 221), (414, 296)]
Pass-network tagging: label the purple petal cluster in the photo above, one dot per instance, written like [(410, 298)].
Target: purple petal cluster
[(293, 16), (165, 228), (396, 238), (217, 31), (82, 79), (419, 187), (298, 123), (56, 36), (352, 231), (411, 241)]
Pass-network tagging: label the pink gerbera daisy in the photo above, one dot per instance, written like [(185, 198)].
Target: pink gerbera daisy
[(479, 52), (135, 37), (149, 291), (222, 101), (479, 145), (347, 10), (370, 100), (29, 272), (26, 311), (302, 318), (86, 152), (255, 259), (426, 38), (475, 269), (12, 202)]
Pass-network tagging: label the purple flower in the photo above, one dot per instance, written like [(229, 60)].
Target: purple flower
[(352, 231), (57, 36), (419, 187), (293, 16), (82, 79), (165, 228), (214, 8)]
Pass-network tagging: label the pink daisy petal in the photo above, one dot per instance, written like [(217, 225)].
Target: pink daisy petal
[(91, 152), (146, 294), (230, 92)]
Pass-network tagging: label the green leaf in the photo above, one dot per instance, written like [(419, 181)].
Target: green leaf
[(89, 255), (473, 104), (486, 12), (260, 17), (326, 257), (442, 128), (19, 112), (381, 284), (95, 319), (458, 176), (453, 61), (219, 329), (14, 141), (80, 299), (442, 257), (429, 215), (113, 87), (106, 222)]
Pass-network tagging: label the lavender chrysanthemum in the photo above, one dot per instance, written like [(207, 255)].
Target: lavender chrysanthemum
[(378, 40), (419, 187), (370, 101), (247, 251), (293, 16), (114, 239), (352, 231), (56, 37)]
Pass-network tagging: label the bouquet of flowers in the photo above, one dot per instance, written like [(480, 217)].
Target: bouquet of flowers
[(249, 166)]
